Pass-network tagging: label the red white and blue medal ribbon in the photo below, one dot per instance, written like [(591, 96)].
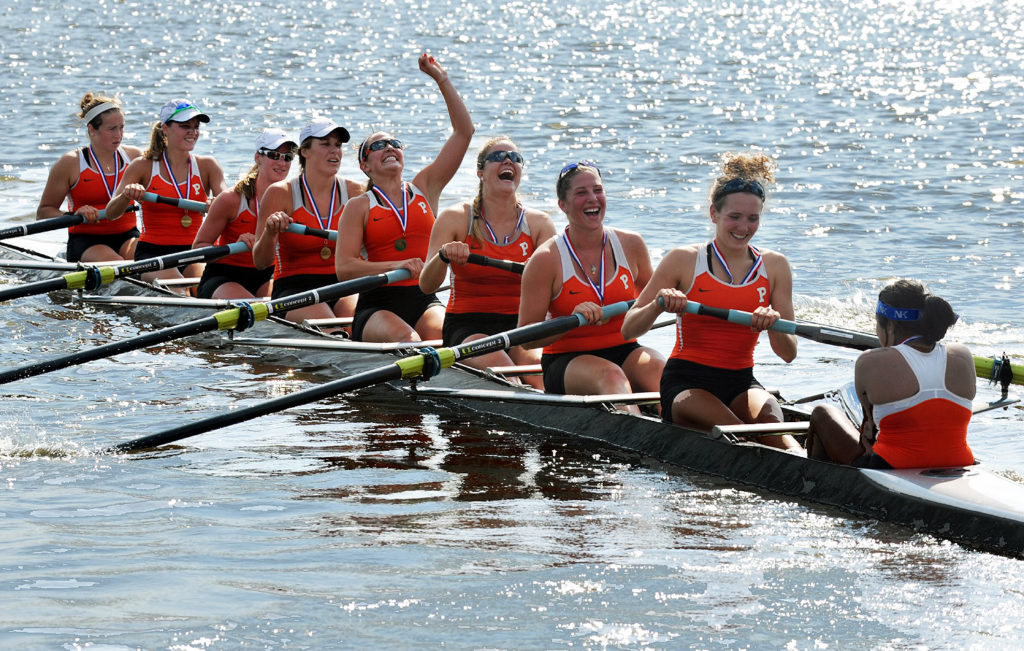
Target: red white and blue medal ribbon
[(519, 225), (174, 180), (99, 168), (325, 224), (754, 268), (599, 287), (403, 217)]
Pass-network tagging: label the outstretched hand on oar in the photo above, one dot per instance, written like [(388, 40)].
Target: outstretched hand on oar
[(426, 364), (54, 223)]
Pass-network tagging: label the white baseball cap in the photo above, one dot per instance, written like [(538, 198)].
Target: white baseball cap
[(321, 128), (273, 138), (181, 110)]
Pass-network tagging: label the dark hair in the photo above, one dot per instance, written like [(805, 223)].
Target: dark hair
[(567, 174), (936, 315), (89, 101), (753, 167)]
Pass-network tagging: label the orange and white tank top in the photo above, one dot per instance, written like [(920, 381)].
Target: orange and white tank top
[(170, 225), (713, 342), (386, 238), (94, 188), (928, 429), (302, 254), (476, 288), (244, 222), (619, 287)]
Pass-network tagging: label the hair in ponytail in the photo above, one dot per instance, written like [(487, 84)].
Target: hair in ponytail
[(935, 315)]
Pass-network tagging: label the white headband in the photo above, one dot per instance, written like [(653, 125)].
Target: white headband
[(96, 110)]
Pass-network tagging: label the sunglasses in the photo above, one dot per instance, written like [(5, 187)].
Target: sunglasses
[(741, 185), (276, 155), (378, 145), (572, 166), (501, 156)]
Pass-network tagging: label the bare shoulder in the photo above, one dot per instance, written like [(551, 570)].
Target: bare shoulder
[(631, 241), (133, 152), (454, 220), (354, 189), (207, 162), (960, 352), (454, 211)]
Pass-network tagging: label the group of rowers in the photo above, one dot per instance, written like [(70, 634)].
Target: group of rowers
[(916, 392)]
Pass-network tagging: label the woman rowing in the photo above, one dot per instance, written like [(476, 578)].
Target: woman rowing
[(169, 168), (915, 392), (392, 223), (88, 177), (484, 300), (314, 199), (709, 378), (581, 270), (232, 218)]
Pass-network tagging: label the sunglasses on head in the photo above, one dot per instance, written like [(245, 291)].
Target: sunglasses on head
[(742, 185), (572, 166), (383, 143), (501, 156), (276, 155)]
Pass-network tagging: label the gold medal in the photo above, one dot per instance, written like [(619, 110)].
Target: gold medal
[(186, 221), (400, 244), (325, 252)]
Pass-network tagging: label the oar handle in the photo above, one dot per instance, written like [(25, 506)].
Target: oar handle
[(302, 229), (337, 290), (185, 204), (180, 259), (52, 224), (507, 265)]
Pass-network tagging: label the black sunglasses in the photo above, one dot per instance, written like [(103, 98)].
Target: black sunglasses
[(500, 156), (384, 143), (583, 163), (741, 185), (276, 155)]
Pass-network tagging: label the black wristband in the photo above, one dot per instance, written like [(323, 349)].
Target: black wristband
[(444, 258)]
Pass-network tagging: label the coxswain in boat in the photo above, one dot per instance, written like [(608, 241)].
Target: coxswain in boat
[(484, 300), (709, 378), (314, 199), (916, 393), (168, 168), (232, 218), (577, 272), (88, 177), (391, 223)]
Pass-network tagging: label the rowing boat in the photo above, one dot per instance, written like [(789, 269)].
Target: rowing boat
[(970, 505)]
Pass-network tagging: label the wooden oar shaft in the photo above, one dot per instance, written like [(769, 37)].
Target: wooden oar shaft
[(185, 204), (51, 224), (302, 229), (507, 265), (407, 367)]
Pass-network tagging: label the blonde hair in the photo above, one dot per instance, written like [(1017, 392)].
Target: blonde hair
[(750, 166), (246, 185), (157, 142)]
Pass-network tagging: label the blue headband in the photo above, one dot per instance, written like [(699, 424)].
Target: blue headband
[(897, 313)]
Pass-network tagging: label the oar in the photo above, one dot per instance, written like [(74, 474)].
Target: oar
[(51, 224), (507, 265), (302, 229), (238, 318), (94, 277), (985, 367), (426, 363), (186, 204)]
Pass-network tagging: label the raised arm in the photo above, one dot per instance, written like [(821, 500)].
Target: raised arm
[(434, 177)]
